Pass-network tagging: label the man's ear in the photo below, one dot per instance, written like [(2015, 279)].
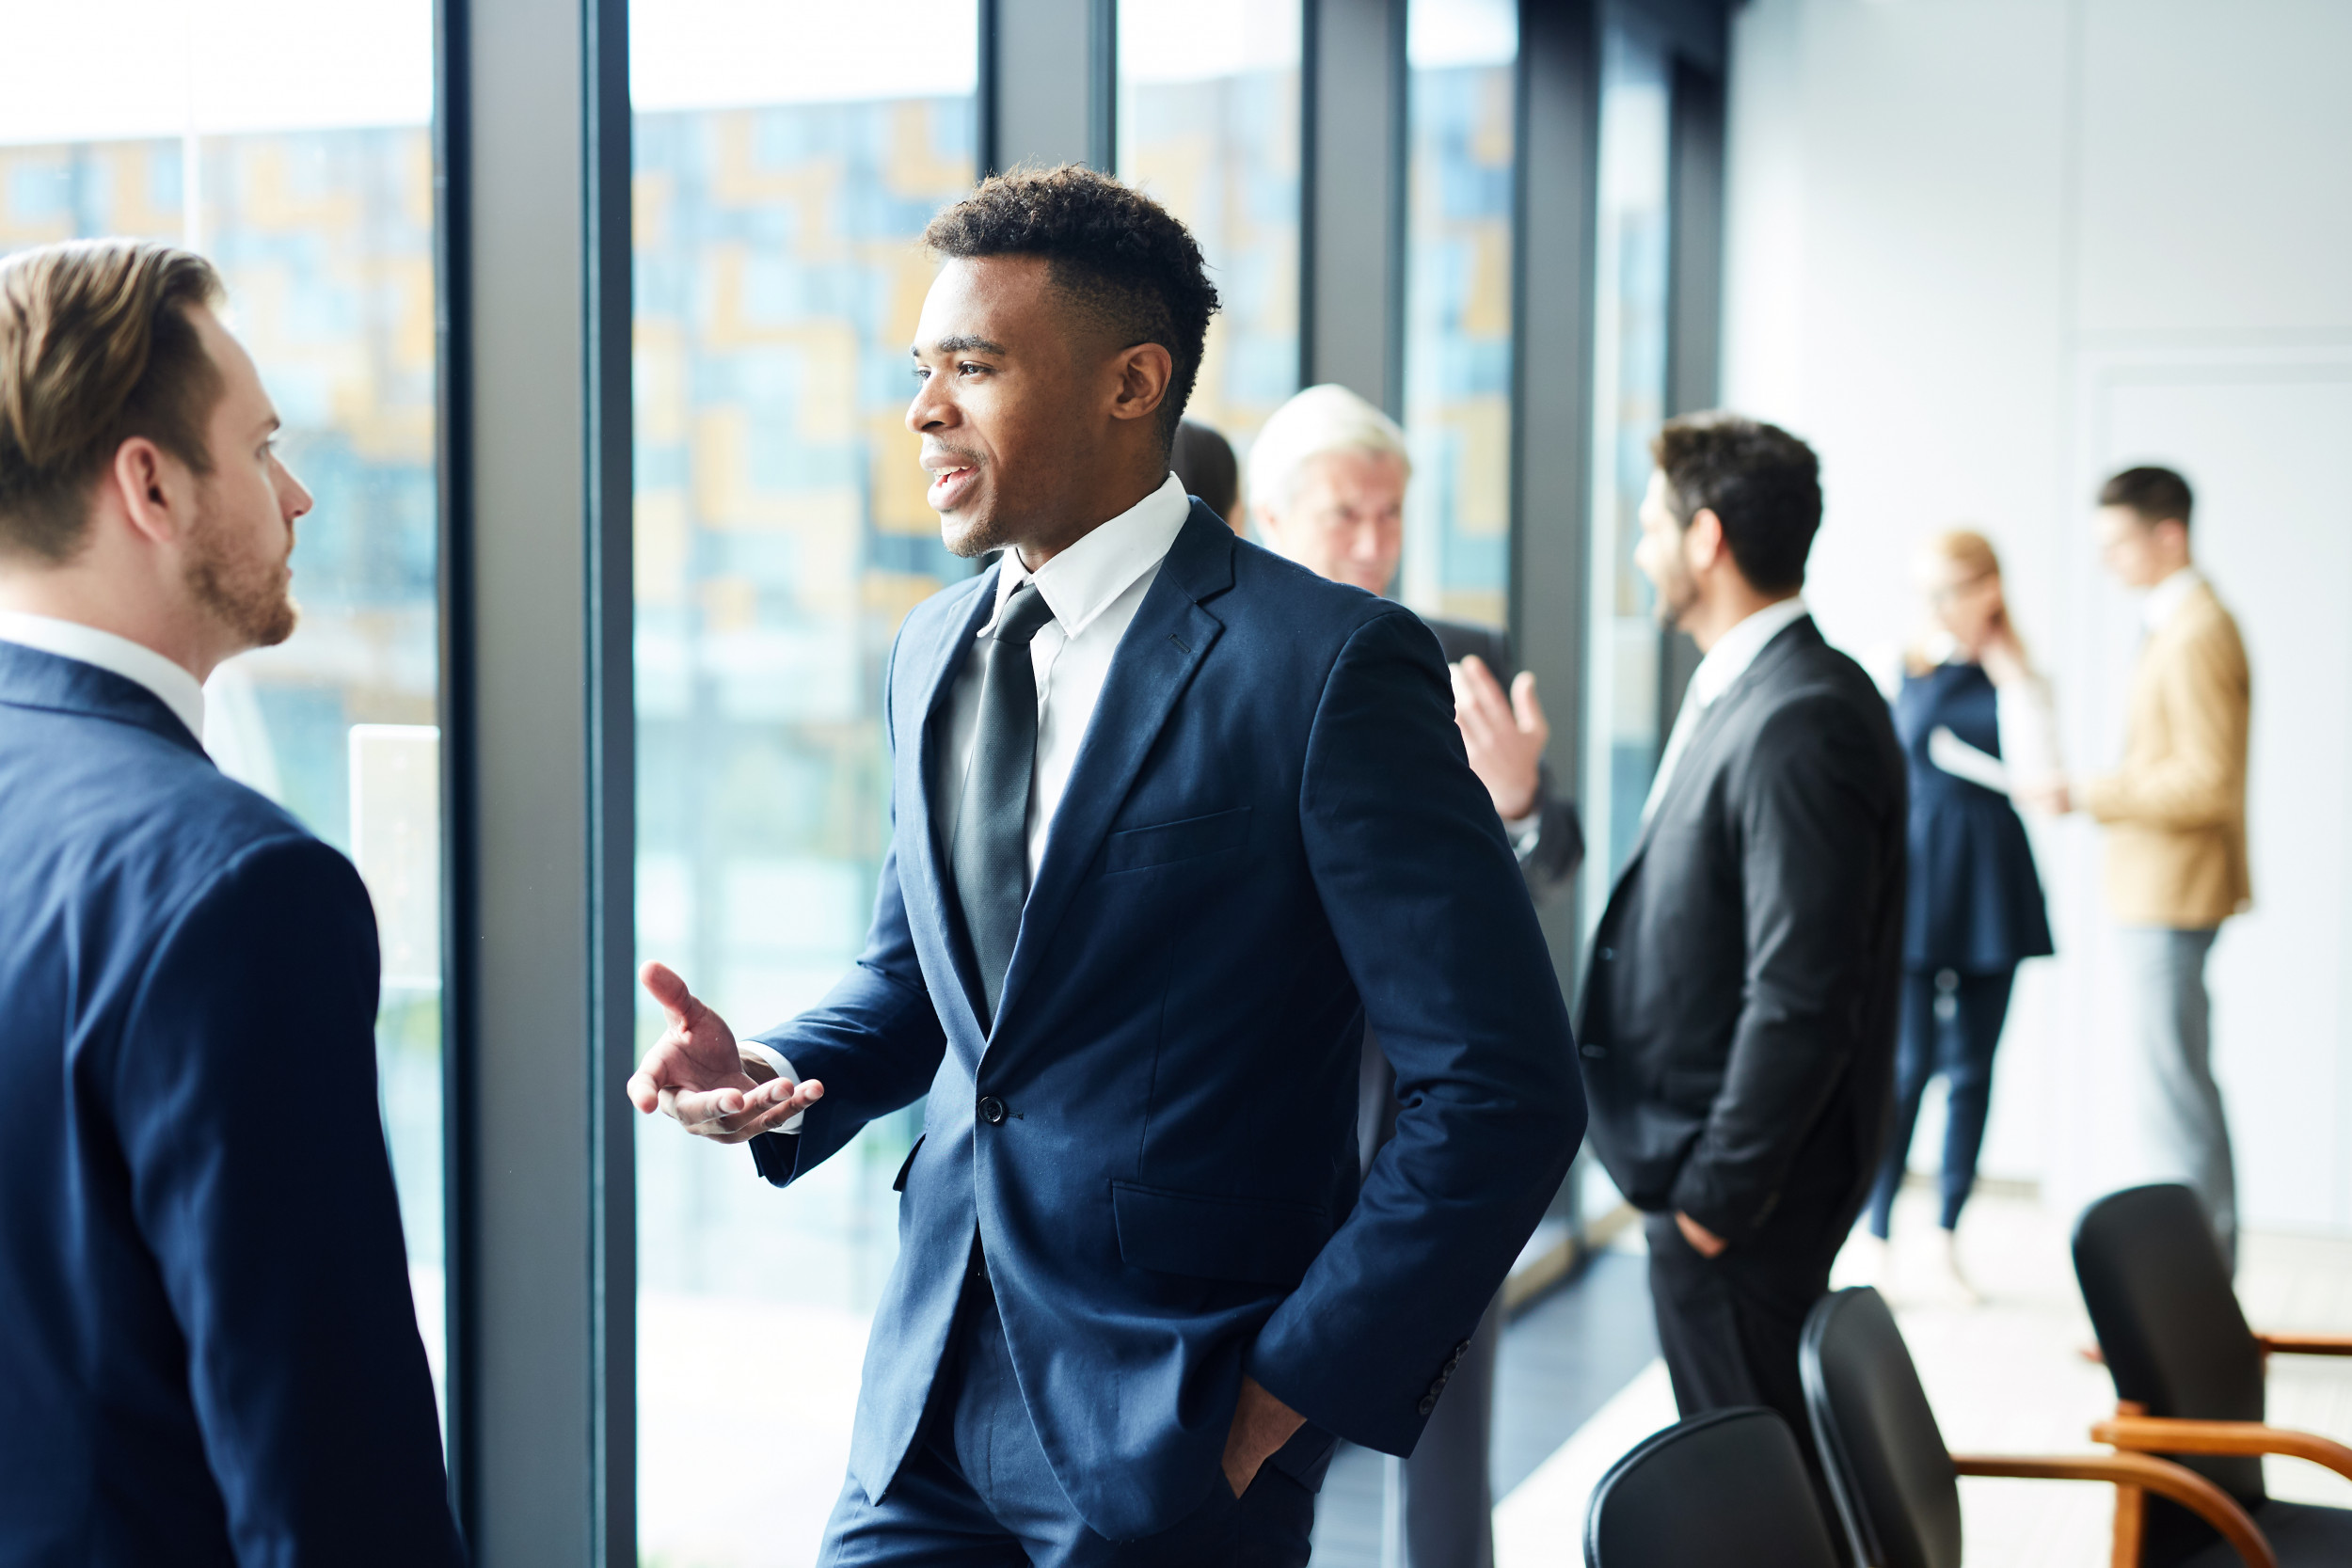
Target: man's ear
[(152, 489), (1144, 372), (1703, 541)]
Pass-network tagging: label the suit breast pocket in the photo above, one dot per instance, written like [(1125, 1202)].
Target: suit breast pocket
[(1163, 843), (1211, 1236)]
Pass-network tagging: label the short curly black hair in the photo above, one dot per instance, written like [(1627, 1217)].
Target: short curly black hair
[(1762, 484), (1115, 253)]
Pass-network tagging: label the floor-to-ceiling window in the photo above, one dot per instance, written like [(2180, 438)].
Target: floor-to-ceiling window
[(289, 144), (1208, 123), (1629, 329), (1461, 57), (788, 156)]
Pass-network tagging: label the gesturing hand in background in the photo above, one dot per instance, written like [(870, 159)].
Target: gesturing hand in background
[(698, 1075), (1504, 734)]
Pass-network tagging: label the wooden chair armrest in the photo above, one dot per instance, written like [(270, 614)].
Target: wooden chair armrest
[(2305, 1344), (2160, 1476), (2170, 1435)]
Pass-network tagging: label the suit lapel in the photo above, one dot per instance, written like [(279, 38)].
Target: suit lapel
[(1155, 660), (1699, 751), (927, 879)]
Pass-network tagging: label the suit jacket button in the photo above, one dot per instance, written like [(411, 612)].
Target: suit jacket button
[(1593, 1052), (1607, 954), (992, 1109), (1428, 1403), (1461, 1350)]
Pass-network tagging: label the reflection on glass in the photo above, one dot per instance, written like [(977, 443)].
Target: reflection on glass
[(1629, 404), (1209, 125), (289, 143), (1457, 307), (787, 158)]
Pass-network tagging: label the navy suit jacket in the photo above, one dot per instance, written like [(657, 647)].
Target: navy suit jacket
[(1270, 836), (210, 1354)]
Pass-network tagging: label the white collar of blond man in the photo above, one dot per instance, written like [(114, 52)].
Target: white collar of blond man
[(192, 567)]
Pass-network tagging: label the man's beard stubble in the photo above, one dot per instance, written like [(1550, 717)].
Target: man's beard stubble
[(989, 533), (248, 593), (1675, 595)]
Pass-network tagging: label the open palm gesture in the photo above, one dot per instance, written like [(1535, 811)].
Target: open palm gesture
[(698, 1076)]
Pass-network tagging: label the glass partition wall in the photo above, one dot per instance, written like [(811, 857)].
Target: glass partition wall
[(293, 151), (1461, 106), (787, 158), (1624, 641), (1208, 123)]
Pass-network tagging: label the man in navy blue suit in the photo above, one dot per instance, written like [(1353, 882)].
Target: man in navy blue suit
[(211, 1355), (1174, 819)]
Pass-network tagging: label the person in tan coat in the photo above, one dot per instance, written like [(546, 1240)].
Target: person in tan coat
[(2175, 815)]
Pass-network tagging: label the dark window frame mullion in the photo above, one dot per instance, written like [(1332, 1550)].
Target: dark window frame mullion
[(609, 619), (460, 813)]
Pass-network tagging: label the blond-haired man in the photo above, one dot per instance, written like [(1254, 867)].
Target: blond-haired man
[(1328, 476), (2175, 815), (211, 1355)]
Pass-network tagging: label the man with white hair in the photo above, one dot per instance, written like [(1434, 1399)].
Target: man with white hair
[(1326, 485)]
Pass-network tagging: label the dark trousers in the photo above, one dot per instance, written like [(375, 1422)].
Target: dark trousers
[(977, 1493), (1446, 1511), (1951, 1023), (1728, 1326)]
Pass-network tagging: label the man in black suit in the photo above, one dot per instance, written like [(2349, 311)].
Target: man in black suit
[(1739, 1016), (1328, 476)]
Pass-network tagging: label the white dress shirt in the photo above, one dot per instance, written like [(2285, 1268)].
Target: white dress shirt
[(171, 685), (1724, 663), (1094, 589), (2164, 599)]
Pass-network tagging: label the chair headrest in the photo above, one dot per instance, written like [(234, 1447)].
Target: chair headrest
[(1725, 1490)]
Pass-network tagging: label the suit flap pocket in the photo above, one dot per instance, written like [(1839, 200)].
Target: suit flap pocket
[(1217, 1238), (898, 1183), (1693, 1088), (1134, 849)]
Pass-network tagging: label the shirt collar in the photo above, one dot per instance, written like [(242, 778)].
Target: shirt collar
[(142, 666), (1729, 659), (1080, 583), (2166, 598)]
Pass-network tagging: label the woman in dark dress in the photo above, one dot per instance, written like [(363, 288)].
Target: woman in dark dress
[(1975, 727)]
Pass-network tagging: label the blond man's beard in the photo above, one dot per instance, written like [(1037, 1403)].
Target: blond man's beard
[(248, 593)]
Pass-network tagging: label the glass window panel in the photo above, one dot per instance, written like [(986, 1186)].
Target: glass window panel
[(1209, 124), (288, 142), (1460, 97), (1622, 737), (788, 157)]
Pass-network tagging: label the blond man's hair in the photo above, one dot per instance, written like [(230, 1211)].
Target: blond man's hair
[(1315, 423), (97, 347)]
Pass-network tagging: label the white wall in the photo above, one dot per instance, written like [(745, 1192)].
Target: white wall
[(1983, 252)]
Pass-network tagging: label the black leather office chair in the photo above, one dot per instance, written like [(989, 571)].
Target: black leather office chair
[(1722, 1490), (2188, 1376), (1898, 1486)]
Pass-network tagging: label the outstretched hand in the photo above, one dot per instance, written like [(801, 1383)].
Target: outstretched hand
[(696, 1074), (1504, 733)]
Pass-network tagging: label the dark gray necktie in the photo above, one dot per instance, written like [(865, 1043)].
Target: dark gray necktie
[(991, 854)]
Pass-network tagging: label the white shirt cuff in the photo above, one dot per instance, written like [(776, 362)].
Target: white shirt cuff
[(1523, 832), (781, 1066)]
